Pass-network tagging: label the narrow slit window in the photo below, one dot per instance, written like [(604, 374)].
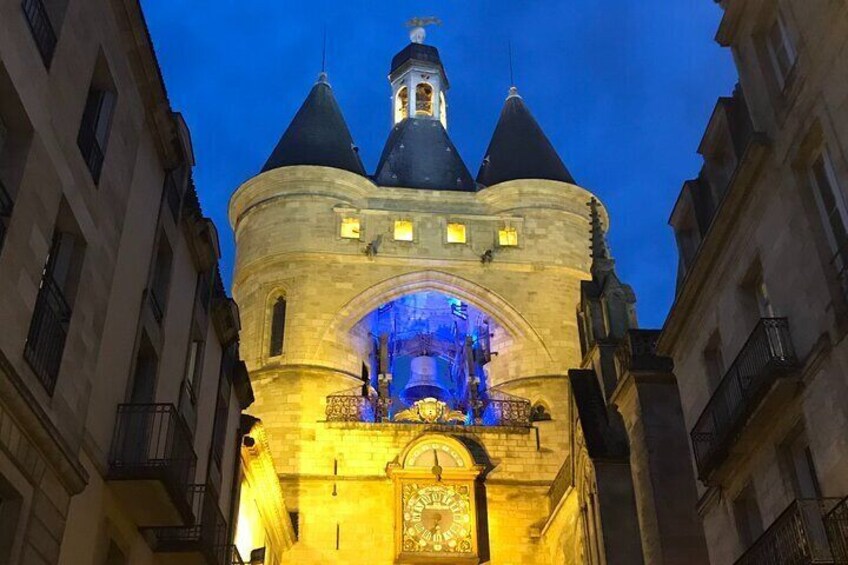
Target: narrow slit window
[(456, 233), (350, 228), (278, 327), (403, 230), (508, 237)]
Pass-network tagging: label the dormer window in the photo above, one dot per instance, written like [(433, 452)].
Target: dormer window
[(423, 99)]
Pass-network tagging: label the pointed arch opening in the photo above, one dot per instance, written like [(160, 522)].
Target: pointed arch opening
[(278, 327)]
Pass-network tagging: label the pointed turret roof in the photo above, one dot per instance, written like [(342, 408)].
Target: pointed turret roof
[(419, 154), (519, 149), (318, 135)]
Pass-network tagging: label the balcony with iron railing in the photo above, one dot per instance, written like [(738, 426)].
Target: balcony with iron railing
[(495, 409), (42, 30), (836, 523), (47, 332), (201, 542), (797, 537), (152, 463), (6, 206), (767, 356)]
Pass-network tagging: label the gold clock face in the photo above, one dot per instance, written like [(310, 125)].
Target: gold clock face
[(437, 518)]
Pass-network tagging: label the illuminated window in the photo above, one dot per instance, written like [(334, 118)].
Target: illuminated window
[(456, 233), (424, 99), (403, 230), (402, 105), (350, 228), (508, 237)]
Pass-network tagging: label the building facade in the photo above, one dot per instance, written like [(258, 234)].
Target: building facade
[(409, 335), (121, 386), (757, 329)]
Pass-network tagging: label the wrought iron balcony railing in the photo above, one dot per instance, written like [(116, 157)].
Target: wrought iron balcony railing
[(496, 409), (41, 28), (206, 536), (766, 355), (797, 537), (152, 442), (6, 206), (47, 332), (503, 409), (836, 523), (351, 406), (91, 151)]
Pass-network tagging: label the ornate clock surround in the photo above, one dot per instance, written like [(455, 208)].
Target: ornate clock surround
[(435, 502)]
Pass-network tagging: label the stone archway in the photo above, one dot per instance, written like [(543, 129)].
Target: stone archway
[(480, 297)]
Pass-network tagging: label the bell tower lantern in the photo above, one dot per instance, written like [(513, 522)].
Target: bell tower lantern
[(418, 78)]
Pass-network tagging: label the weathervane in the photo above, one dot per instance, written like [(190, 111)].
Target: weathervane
[(418, 33)]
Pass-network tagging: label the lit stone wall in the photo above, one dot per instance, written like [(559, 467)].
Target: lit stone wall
[(287, 225)]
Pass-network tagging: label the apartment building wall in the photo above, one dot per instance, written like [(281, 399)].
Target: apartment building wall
[(766, 248), (97, 92)]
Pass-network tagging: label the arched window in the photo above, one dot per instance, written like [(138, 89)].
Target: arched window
[(424, 99), (278, 327), (539, 413), (402, 105)]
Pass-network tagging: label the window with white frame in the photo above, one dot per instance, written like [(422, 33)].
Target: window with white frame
[(831, 205), (780, 50)]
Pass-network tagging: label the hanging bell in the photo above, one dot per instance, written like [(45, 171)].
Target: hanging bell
[(424, 382)]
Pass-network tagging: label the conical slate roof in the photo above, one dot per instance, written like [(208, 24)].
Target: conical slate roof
[(519, 149), (419, 154), (318, 135)]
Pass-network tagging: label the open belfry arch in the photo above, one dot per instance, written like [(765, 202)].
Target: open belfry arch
[(410, 336)]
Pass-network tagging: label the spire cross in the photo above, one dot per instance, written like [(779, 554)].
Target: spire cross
[(511, 77), (324, 52)]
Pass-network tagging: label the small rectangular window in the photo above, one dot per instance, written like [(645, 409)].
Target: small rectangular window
[(350, 228), (456, 233), (780, 49), (508, 237), (403, 230)]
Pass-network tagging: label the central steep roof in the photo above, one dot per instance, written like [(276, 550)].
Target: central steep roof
[(419, 154)]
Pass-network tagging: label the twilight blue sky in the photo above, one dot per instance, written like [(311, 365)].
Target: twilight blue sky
[(622, 88)]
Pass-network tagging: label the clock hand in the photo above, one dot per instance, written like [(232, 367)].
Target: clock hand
[(437, 469)]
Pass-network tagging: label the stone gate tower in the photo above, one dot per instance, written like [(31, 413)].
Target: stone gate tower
[(408, 333)]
